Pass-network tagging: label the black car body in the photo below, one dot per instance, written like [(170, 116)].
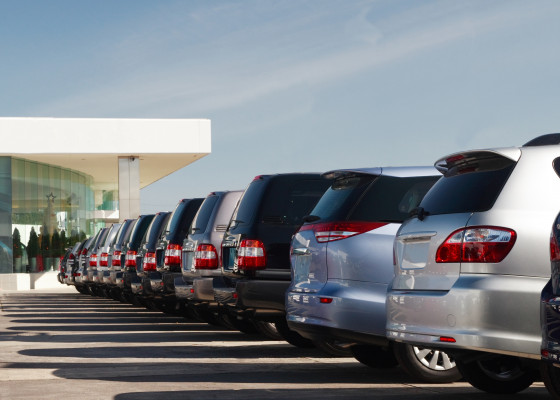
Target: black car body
[(146, 255), (130, 249), (169, 250), (256, 245)]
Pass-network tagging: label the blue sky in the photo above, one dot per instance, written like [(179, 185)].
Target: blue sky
[(299, 85)]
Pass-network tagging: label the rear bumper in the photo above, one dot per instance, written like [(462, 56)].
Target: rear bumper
[(341, 306), (492, 313), (261, 296)]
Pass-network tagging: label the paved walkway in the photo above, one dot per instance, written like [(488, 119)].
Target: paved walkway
[(59, 344)]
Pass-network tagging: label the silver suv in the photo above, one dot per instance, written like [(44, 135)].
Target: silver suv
[(471, 263), (342, 264)]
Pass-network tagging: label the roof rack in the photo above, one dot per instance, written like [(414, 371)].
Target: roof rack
[(544, 140)]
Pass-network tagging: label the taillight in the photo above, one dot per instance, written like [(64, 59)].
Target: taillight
[(71, 256), (251, 255), (331, 231), (103, 260), (554, 248), (482, 244), (130, 260), (116, 260), (173, 254), (150, 262), (93, 260), (205, 257)]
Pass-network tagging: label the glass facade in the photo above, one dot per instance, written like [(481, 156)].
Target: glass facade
[(43, 210)]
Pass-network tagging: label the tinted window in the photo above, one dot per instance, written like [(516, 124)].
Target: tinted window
[(373, 199), (200, 222), (153, 232), (467, 191), (249, 203), (175, 217), (287, 201), (341, 196)]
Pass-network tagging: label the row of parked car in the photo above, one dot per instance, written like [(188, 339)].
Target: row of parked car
[(444, 271)]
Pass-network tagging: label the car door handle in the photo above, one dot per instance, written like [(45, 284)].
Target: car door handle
[(304, 251)]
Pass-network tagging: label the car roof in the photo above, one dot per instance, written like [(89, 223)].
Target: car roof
[(399, 172)]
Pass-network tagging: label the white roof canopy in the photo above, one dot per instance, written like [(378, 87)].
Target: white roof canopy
[(93, 146)]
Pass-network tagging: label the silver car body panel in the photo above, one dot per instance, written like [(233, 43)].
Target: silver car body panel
[(352, 273), (483, 306)]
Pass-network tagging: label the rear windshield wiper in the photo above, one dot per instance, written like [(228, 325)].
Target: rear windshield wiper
[(419, 213)]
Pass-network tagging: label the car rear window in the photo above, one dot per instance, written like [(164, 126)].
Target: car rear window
[(200, 222), (287, 201), (472, 186), (372, 199)]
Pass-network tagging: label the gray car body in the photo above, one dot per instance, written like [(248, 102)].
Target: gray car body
[(213, 234), (492, 307), (354, 272)]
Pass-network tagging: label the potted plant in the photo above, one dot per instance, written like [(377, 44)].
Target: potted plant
[(17, 250), (33, 249)]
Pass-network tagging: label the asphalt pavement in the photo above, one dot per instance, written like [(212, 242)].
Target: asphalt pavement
[(60, 344)]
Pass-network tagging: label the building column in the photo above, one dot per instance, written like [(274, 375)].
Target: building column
[(129, 187)]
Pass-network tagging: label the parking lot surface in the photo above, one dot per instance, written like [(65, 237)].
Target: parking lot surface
[(59, 344)]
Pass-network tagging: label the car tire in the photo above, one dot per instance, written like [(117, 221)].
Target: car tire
[(268, 329), (551, 378), (426, 365), (292, 337), (333, 347), (497, 374), (374, 356)]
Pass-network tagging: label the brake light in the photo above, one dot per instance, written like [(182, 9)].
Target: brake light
[(554, 248), (130, 260), (116, 261), (325, 300), (251, 255), (93, 260), (482, 244), (205, 257), (173, 254), (103, 260), (331, 231), (71, 256), (447, 339), (150, 262)]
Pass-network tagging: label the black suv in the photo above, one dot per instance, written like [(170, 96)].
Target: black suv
[(130, 249), (256, 246), (169, 252)]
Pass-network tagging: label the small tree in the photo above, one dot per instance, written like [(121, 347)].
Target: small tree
[(64, 242), (33, 244), (45, 243), (16, 244), (56, 245)]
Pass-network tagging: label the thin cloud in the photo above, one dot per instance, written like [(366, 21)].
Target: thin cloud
[(242, 74)]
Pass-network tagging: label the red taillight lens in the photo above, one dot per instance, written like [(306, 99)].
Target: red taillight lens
[(93, 260), (205, 257), (325, 300), (331, 231), (251, 255), (150, 262), (483, 244), (116, 260), (130, 260), (554, 248), (447, 339), (173, 254), (103, 260), (71, 256)]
